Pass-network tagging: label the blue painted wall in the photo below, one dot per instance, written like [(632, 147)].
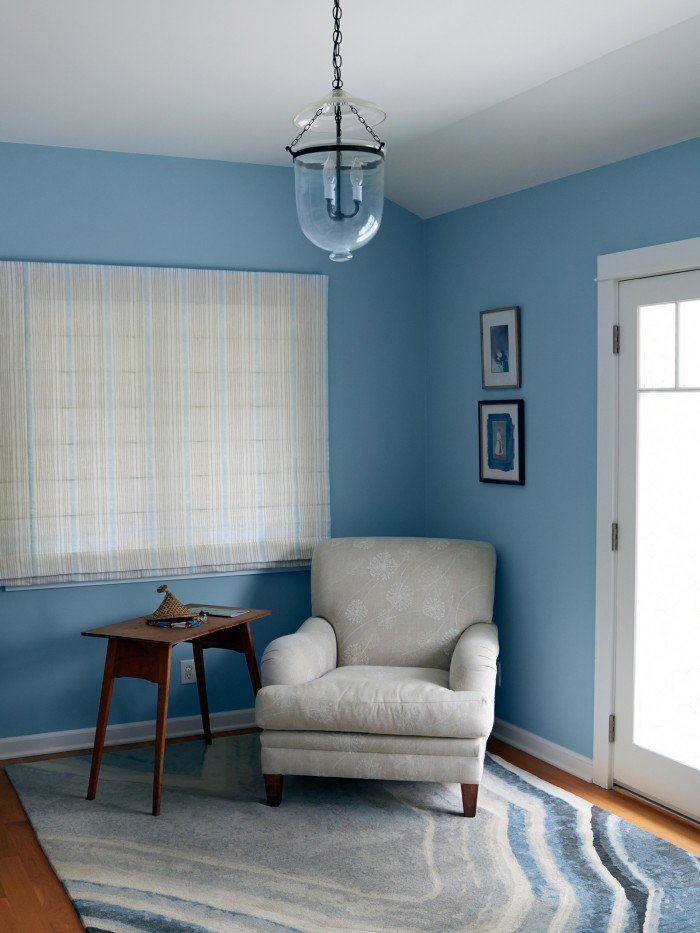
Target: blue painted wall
[(401, 462), (83, 206), (538, 249)]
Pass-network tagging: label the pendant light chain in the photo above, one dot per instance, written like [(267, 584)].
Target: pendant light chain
[(337, 64), (367, 126), (337, 85), (307, 127), (337, 39)]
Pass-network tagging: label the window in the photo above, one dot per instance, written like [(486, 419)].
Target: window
[(159, 422)]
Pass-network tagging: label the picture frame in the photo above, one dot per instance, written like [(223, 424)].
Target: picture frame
[(502, 442), (500, 348)]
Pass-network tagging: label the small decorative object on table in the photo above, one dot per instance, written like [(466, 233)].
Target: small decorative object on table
[(173, 614)]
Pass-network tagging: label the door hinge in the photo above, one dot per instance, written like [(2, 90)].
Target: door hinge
[(615, 536), (616, 338), (611, 727)]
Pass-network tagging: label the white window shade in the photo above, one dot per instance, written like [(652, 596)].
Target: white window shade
[(159, 422)]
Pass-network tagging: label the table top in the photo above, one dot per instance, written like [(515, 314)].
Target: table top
[(138, 629)]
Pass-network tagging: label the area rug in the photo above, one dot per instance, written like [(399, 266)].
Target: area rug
[(343, 855)]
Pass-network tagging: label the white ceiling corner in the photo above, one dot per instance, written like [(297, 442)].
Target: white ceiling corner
[(482, 100)]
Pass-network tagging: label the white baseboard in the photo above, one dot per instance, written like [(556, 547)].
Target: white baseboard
[(48, 743), (553, 754)]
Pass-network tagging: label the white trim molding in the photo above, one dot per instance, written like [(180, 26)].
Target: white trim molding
[(49, 743), (553, 754), (614, 268), (606, 514), (661, 259)]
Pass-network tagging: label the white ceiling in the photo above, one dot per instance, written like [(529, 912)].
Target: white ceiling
[(482, 98)]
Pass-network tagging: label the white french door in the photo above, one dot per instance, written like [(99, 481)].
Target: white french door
[(657, 641)]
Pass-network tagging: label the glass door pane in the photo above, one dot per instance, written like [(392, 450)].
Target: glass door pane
[(667, 639), (667, 645)]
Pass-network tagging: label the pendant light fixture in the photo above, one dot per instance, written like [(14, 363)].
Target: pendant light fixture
[(339, 180)]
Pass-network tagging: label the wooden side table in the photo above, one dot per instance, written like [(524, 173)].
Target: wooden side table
[(135, 649)]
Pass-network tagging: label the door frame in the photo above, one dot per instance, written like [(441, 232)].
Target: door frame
[(664, 258)]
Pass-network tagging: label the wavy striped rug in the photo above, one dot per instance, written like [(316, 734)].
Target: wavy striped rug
[(339, 855)]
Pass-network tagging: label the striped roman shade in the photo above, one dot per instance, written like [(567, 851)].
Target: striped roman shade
[(159, 422)]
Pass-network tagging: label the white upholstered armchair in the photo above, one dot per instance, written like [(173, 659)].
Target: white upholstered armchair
[(394, 675)]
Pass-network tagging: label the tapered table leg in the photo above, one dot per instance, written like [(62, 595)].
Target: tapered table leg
[(249, 651), (102, 716), (161, 719), (198, 653)]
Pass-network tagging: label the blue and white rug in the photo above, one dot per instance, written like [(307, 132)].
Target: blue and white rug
[(344, 855)]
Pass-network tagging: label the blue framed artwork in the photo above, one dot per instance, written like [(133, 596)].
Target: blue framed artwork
[(500, 348), (501, 442)]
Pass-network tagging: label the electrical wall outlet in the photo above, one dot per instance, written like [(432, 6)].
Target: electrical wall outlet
[(188, 675)]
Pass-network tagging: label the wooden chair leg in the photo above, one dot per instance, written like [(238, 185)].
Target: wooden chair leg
[(469, 795), (273, 789)]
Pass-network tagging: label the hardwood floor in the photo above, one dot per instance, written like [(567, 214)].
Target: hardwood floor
[(673, 829), (31, 896), (32, 900)]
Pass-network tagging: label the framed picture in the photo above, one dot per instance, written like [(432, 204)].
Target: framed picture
[(500, 348), (501, 442)]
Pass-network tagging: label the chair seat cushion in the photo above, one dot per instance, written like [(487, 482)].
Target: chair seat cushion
[(380, 700)]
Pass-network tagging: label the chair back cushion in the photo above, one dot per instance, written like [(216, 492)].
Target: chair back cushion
[(401, 601)]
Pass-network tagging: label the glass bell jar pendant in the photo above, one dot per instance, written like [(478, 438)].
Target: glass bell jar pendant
[(339, 180)]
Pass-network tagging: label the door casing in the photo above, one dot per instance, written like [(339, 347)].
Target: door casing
[(681, 256)]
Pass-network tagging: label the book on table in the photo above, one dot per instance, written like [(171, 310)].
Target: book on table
[(227, 612)]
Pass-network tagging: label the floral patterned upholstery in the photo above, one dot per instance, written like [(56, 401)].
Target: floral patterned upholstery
[(401, 601), (394, 674)]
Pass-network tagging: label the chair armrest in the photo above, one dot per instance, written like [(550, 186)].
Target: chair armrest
[(473, 665), (309, 653)]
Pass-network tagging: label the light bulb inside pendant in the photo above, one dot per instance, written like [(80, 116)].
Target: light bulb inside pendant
[(356, 179), (329, 179)]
